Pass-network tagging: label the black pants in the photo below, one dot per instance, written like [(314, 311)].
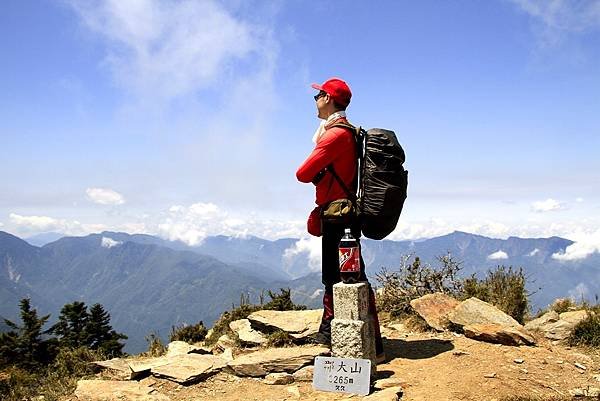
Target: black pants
[(330, 275)]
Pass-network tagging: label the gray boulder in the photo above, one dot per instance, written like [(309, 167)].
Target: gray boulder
[(543, 321), (434, 308), (567, 321), (482, 321)]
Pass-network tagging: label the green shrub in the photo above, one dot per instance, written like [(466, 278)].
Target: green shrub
[(280, 302), (57, 380), (503, 287), (279, 338), (586, 332), (221, 326), (189, 333), (413, 280), (155, 345), (17, 384), (562, 305)]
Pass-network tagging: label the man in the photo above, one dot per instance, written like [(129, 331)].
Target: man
[(336, 147)]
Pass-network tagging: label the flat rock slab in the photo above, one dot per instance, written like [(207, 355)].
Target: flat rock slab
[(181, 348), (189, 368), (116, 364), (113, 390), (272, 360), (299, 324), (434, 308), (246, 333), (475, 311), (278, 379), (143, 366), (497, 334)]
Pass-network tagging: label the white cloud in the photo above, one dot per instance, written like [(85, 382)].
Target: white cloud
[(534, 252), (22, 225), (498, 255), (579, 200), (37, 223), (192, 224), (549, 205), (109, 242), (104, 196), (172, 48), (310, 246), (556, 19), (585, 244)]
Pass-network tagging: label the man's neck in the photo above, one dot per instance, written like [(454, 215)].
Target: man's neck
[(335, 115)]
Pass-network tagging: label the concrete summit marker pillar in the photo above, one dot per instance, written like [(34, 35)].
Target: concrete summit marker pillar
[(352, 332)]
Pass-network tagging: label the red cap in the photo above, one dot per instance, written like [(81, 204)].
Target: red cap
[(337, 89)]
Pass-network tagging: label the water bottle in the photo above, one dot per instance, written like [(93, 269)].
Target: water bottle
[(349, 256)]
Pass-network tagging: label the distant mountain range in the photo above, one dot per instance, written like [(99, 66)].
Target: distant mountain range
[(150, 284)]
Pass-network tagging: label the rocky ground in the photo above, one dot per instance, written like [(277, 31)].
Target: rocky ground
[(495, 359), (428, 366)]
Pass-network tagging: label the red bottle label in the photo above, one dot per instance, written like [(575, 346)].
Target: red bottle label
[(349, 260)]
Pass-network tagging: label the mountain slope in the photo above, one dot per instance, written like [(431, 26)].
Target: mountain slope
[(144, 287)]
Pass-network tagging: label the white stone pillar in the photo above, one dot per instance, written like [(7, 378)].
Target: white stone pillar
[(352, 332)]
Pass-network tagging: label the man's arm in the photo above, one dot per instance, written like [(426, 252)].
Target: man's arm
[(322, 156)]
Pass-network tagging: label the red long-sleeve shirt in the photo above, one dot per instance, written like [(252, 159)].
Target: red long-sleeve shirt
[(337, 146)]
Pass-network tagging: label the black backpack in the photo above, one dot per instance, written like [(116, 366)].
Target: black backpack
[(383, 181)]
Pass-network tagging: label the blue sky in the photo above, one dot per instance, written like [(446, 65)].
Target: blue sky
[(189, 118)]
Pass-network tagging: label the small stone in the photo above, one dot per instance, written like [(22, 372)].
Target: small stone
[(490, 375), (278, 379), (294, 390), (389, 394), (577, 392), (523, 371), (560, 362), (305, 374), (387, 383), (580, 366), (227, 355), (459, 353), (519, 361), (593, 392), (596, 377)]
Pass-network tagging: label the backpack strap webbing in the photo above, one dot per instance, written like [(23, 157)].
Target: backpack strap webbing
[(351, 195), (356, 131)]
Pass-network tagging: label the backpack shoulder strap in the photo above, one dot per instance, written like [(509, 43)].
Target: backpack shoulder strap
[(351, 195), (346, 125)]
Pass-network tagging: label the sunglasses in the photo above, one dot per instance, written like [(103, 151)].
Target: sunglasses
[(319, 95)]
